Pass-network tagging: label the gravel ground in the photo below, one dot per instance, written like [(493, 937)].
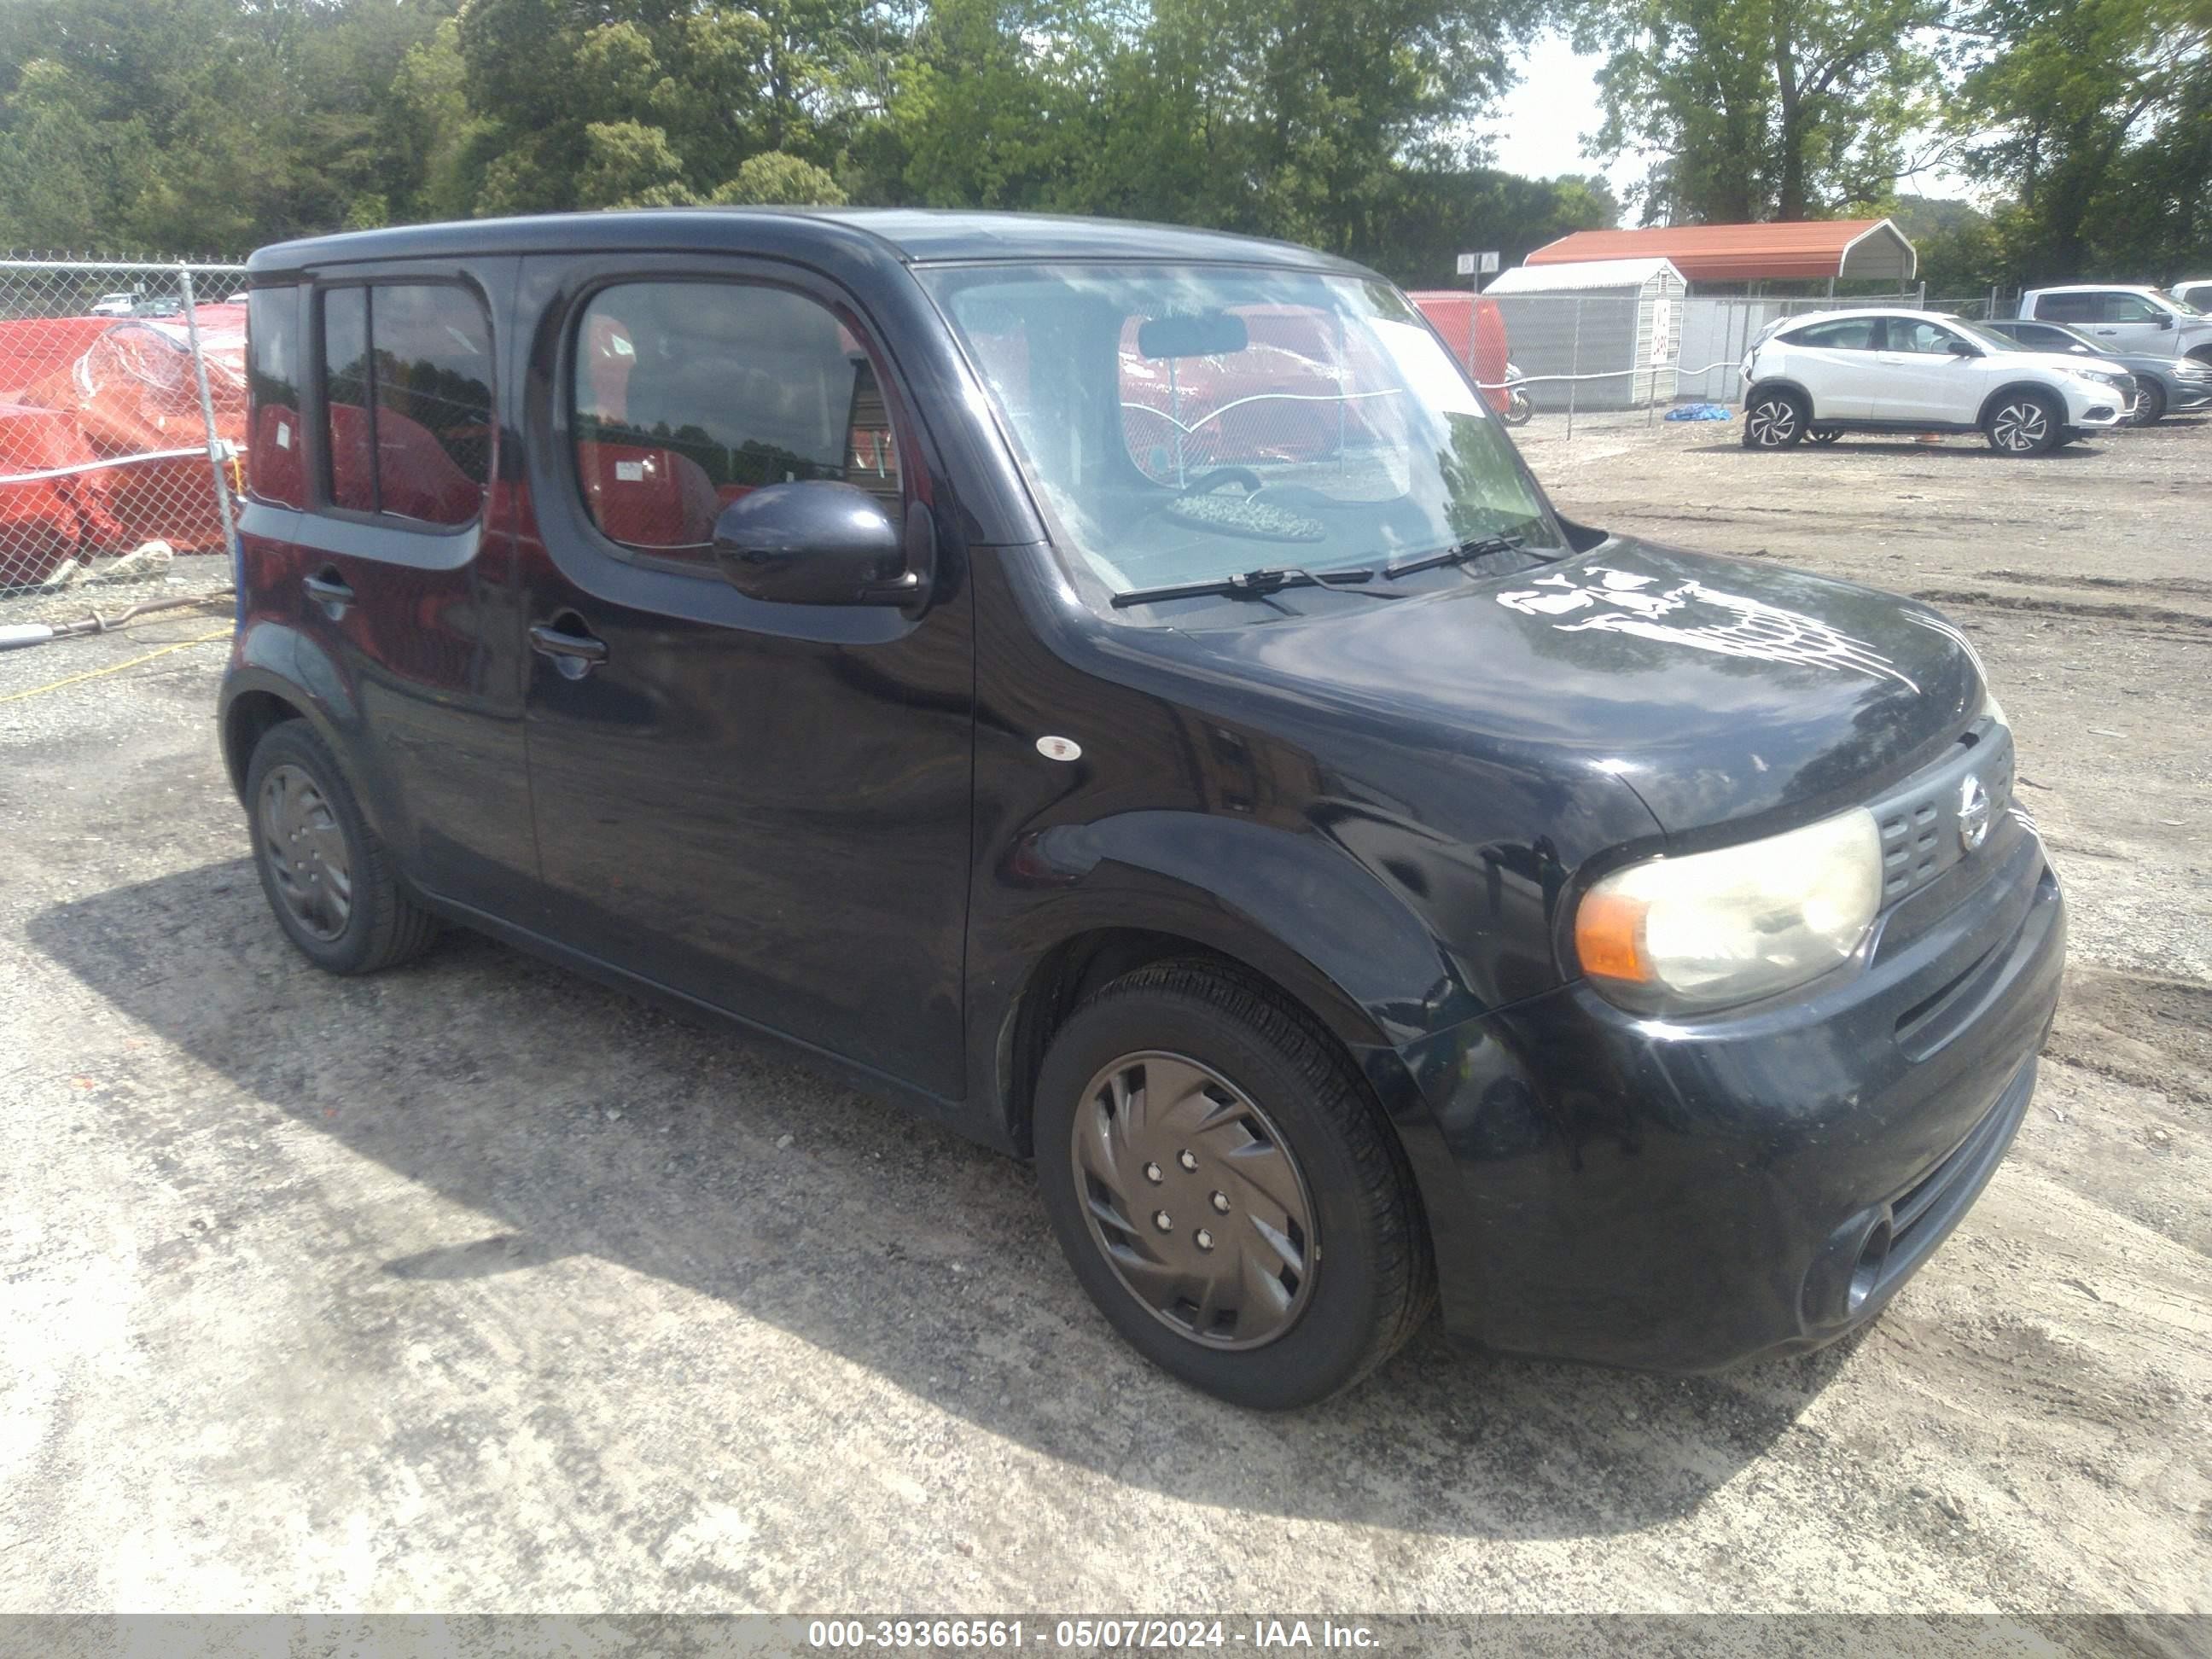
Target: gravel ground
[(478, 1287)]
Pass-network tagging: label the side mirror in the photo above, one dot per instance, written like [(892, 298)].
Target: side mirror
[(823, 543), (2165, 319), (1960, 348)]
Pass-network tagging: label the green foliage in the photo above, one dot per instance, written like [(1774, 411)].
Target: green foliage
[(1761, 109), (775, 180), (2095, 116)]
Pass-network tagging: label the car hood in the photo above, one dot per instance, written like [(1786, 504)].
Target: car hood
[(1718, 690), (2138, 363), (2070, 362)]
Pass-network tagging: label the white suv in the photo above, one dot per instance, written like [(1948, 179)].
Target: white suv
[(2122, 317), (1915, 371)]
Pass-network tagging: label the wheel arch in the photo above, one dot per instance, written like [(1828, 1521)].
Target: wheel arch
[(2012, 389), (1084, 961), (248, 716), (1782, 383), (282, 675)]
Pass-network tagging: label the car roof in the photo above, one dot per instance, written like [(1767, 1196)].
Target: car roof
[(905, 235), (1868, 311), (2097, 288)]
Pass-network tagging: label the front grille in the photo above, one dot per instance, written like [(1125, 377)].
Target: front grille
[(1919, 822)]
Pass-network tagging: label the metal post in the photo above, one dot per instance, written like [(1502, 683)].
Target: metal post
[(1575, 368), (215, 447)]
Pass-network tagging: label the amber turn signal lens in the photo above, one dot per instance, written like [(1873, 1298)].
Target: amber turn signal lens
[(1609, 937)]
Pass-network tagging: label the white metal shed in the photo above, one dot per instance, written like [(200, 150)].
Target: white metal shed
[(1617, 320)]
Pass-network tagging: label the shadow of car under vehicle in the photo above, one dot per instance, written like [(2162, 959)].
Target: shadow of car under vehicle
[(1957, 446), (583, 1122)]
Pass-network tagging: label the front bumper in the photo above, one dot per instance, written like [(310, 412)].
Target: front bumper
[(1687, 1195)]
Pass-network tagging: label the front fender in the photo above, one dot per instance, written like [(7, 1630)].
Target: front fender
[(1293, 907)]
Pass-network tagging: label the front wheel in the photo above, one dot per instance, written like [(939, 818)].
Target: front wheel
[(1774, 420), (2150, 404), (1518, 409), (2026, 423), (1200, 1145), (1825, 434)]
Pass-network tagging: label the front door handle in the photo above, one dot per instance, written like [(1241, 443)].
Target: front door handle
[(575, 651), (328, 591)]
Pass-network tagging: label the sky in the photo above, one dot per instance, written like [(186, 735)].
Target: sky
[(1539, 128)]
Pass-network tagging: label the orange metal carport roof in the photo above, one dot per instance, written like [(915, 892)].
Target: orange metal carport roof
[(1795, 251)]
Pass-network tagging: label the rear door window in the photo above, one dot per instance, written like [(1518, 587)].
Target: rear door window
[(2067, 307), (1854, 334), (408, 401)]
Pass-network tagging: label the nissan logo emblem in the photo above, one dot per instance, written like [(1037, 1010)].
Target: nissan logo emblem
[(1973, 813)]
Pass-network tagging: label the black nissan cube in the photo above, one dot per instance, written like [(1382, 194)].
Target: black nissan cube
[(1118, 689)]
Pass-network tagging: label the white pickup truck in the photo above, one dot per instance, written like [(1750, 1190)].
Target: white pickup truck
[(2124, 317)]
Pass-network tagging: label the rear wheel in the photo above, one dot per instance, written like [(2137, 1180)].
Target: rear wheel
[(1199, 1143), (2025, 423), (2150, 403), (1774, 420), (326, 875)]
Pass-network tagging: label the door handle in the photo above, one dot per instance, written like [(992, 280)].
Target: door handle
[(575, 652), (328, 591)]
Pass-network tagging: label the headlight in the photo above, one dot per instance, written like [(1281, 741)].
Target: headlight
[(2104, 381), (1733, 924)]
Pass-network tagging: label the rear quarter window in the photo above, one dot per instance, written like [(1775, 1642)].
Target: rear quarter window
[(275, 443)]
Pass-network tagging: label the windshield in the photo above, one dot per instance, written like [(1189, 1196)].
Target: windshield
[(2179, 303), (1184, 424)]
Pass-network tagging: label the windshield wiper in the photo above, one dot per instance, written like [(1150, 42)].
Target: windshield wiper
[(1253, 584), (1461, 553)]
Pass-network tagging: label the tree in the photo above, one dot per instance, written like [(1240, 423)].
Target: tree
[(1760, 109), (2093, 115)]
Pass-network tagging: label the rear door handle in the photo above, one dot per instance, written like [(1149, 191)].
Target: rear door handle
[(575, 652), (328, 591)]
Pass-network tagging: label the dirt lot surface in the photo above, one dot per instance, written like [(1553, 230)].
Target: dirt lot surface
[(476, 1286)]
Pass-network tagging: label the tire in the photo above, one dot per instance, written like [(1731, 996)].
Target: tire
[(1774, 420), (2026, 423), (1244, 1070), (1825, 434), (2150, 404), (1518, 409), (325, 874)]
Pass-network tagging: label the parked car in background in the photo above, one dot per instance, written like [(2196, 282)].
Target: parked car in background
[(2164, 385), (1355, 884), (2194, 291), (2124, 317), (114, 304), (1836, 372)]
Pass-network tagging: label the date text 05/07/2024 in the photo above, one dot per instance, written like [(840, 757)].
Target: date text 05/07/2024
[(855, 1635)]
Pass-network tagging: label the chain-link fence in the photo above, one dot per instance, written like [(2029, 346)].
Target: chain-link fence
[(122, 416)]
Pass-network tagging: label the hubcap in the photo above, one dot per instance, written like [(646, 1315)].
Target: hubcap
[(2021, 426), (305, 852), (1194, 1199), (1772, 423)]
